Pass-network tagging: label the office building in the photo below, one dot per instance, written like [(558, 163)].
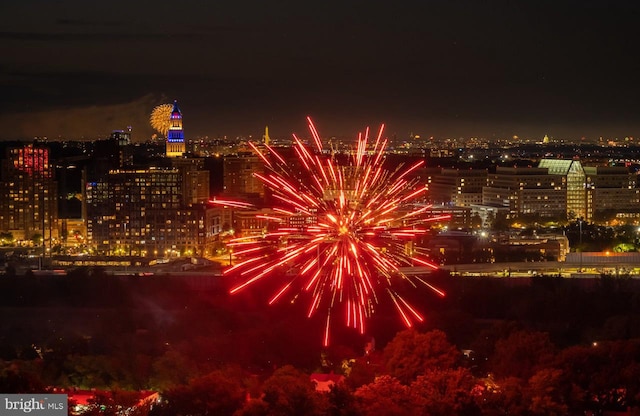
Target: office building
[(458, 187), (610, 192), (573, 177), (526, 191)]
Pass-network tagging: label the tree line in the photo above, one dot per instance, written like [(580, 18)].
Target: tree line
[(491, 346)]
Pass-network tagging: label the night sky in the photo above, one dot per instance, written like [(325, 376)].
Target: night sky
[(77, 68)]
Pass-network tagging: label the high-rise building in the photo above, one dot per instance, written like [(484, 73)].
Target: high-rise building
[(610, 191), (528, 191), (458, 187), (123, 138), (195, 179), (28, 194), (128, 209), (143, 213), (239, 179), (573, 175), (107, 155), (175, 136)]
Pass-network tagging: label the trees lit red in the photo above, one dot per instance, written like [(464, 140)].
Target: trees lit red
[(412, 353)]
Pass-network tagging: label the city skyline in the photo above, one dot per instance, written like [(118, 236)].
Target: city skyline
[(438, 69)]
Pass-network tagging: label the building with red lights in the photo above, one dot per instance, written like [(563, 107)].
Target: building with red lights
[(28, 194)]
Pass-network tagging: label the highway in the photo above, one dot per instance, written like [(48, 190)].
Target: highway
[(588, 267)]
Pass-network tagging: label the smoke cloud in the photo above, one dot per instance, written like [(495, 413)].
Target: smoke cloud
[(83, 123)]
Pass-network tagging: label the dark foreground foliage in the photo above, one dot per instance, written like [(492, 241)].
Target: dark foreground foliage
[(491, 346)]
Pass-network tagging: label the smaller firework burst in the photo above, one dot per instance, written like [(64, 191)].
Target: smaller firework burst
[(160, 118)]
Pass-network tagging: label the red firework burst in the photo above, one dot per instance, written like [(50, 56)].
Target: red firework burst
[(345, 232)]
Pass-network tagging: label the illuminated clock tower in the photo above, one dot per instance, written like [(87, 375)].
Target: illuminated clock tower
[(175, 135)]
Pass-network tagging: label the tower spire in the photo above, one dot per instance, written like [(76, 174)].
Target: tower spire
[(266, 138)]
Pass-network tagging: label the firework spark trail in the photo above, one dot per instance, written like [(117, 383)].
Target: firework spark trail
[(343, 230)]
